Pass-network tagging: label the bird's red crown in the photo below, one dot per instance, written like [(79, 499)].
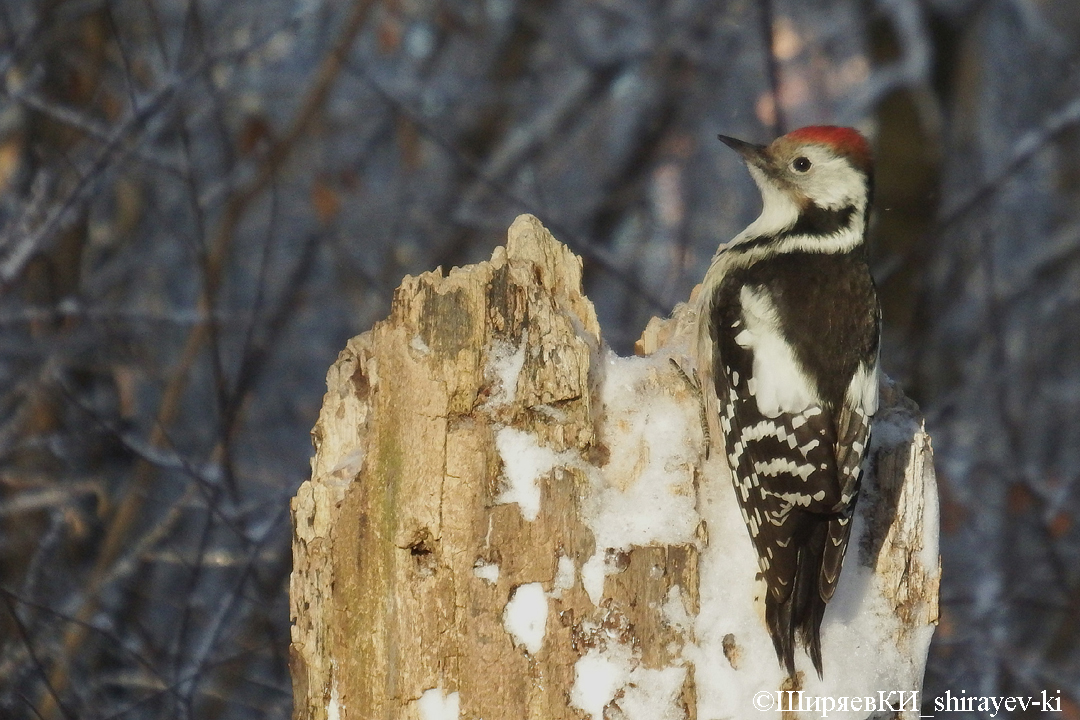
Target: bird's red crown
[(845, 140)]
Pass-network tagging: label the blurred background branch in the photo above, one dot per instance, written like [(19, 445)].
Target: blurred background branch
[(201, 201)]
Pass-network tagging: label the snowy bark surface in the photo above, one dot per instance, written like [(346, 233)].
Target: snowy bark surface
[(506, 520)]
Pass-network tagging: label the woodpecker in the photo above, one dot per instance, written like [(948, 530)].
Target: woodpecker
[(788, 338)]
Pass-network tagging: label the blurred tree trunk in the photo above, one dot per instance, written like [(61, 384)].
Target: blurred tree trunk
[(420, 589)]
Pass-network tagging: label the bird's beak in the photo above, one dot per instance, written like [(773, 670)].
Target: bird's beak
[(752, 154)]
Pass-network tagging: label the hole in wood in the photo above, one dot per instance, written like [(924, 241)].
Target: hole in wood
[(422, 550)]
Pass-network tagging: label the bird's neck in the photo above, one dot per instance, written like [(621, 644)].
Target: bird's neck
[(786, 225)]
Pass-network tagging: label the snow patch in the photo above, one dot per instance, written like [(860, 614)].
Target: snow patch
[(524, 463), (504, 364), (525, 616), (488, 572), (565, 574), (592, 577), (674, 611), (891, 429), (598, 676), (434, 705), (645, 493), (333, 710), (728, 607), (613, 674), (418, 344), (654, 694)]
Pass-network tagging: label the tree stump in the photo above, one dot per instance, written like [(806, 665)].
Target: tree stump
[(505, 520)]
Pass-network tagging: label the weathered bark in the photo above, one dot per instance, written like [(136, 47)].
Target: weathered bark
[(415, 532)]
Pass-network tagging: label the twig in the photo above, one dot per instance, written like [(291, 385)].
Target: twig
[(94, 129), (521, 140), (28, 644), (26, 247), (772, 67)]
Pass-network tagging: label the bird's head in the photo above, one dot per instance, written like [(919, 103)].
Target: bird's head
[(822, 168)]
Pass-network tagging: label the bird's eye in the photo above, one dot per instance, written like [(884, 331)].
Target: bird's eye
[(801, 164)]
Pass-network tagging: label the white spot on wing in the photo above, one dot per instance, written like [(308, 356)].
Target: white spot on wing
[(862, 392), (795, 498), (778, 466), (777, 383), (763, 429)]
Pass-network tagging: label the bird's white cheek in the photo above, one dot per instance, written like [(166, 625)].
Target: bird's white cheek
[(835, 190)]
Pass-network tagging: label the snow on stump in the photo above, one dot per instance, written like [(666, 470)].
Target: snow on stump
[(505, 520)]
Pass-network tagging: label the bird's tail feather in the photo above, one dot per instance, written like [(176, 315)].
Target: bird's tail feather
[(782, 629), (802, 610)]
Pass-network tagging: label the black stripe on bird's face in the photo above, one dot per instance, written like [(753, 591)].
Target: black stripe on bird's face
[(813, 221), (818, 221)]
